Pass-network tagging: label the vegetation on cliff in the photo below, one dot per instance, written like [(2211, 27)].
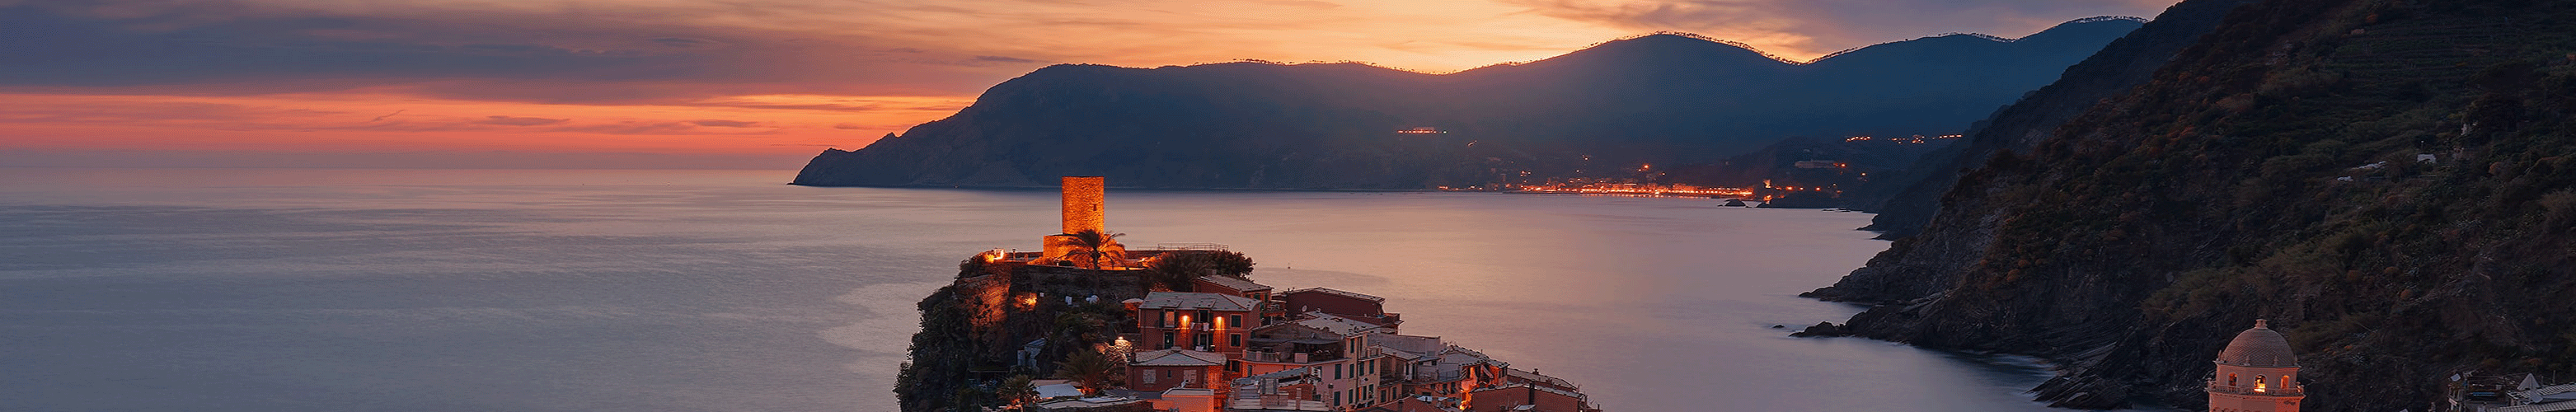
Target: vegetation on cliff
[(2389, 181), (968, 353)]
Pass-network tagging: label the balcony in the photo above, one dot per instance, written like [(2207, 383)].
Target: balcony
[(2249, 390), (1201, 326), (1289, 357)]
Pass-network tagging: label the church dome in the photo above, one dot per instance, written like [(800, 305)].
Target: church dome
[(2259, 347)]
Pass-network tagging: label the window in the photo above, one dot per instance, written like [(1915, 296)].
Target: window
[(1234, 321), (1235, 340), (1149, 376), (1337, 371), (2258, 383), (1203, 339), (1233, 366), (2231, 379), (1167, 339)]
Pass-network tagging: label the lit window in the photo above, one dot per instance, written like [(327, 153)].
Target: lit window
[(2258, 383)]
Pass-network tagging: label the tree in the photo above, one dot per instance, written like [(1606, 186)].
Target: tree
[(1175, 269), (1093, 247), (1016, 392), (1092, 369)]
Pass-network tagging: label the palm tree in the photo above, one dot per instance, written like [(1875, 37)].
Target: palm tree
[(1016, 391), (1094, 247), (1090, 368)]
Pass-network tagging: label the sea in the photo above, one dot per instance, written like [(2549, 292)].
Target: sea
[(697, 290)]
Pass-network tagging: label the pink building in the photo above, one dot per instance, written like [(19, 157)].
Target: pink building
[(1349, 305), (1159, 370), (1208, 322)]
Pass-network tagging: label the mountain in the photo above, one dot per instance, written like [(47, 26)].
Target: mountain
[(1905, 200), (2391, 183), (1657, 99)]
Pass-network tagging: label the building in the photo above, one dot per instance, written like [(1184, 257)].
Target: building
[(1246, 288), (2256, 373), (1348, 305), (1158, 370), (1209, 322), (1522, 397)]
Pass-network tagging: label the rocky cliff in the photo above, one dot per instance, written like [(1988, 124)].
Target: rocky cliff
[(1659, 99), (2388, 181)]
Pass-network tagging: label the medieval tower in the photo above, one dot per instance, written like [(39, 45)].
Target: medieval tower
[(1083, 213), (2257, 373)]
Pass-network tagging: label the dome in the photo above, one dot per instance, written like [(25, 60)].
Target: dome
[(2259, 347)]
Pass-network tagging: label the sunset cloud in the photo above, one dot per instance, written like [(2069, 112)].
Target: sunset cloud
[(520, 121), (771, 76)]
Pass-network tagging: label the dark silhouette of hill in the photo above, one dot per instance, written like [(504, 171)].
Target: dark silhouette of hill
[(2389, 182), (1906, 200), (1660, 99)]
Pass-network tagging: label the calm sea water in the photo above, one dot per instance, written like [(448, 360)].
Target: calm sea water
[(492, 290)]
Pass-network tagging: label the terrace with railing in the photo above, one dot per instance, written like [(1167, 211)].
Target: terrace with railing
[(2265, 390)]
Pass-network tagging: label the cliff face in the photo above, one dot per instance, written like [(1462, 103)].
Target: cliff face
[(2123, 64), (974, 329), (1661, 99), (2272, 170)]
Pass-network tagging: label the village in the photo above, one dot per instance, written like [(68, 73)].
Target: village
[(1222, 342), (1187, 331)]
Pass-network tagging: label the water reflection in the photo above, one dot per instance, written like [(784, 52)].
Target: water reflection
[(721, 290)]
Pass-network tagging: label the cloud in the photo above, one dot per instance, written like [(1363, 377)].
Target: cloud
[(520, 121), (604, 53), (724, 123), (1003, 59)]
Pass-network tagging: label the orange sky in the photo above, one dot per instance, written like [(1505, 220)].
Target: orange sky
[(754, 83)]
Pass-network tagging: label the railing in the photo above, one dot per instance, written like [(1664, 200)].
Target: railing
[(1200, 326), (2249, 390), (1279, 404), (1288, 357), (1217, 247)]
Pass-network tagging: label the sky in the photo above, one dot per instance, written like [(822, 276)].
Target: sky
[(749, 83)]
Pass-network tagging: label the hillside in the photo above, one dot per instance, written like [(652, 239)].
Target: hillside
[(1659, 99), (1905, 200), (2388, 181)]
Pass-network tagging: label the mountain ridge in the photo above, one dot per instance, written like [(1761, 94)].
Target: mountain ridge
[(1655, 99)]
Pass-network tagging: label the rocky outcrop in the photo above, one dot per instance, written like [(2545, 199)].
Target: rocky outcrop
[(2387, 181)]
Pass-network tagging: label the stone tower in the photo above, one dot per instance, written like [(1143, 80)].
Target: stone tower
[(1083, 211), (2257, 373), (1082, 204)]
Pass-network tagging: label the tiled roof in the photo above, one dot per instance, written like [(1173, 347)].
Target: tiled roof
[(1347, 294), (1416, 345), (1335, 324), (1235, 283), (1194, 300), (1178, 357)]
